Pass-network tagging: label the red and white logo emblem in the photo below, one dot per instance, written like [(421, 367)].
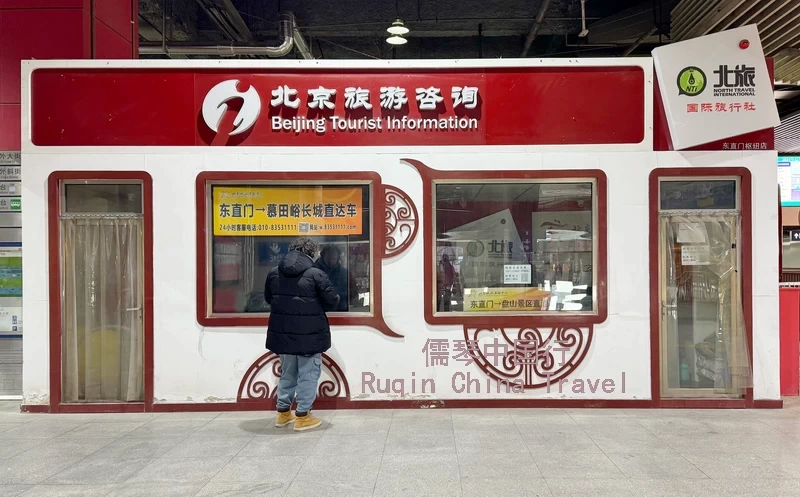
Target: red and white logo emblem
[(216, 103)]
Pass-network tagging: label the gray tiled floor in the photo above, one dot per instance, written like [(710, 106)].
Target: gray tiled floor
[(526, 452)]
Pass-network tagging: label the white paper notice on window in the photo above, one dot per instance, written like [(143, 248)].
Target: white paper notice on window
[(11, 319), (692, 233), (695, 255), (517, 273)]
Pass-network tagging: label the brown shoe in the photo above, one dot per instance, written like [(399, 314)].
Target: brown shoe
[(307, 422), (284, 419)]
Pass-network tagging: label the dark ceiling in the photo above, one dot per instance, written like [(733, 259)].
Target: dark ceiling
[(439, 28), (454, 29)]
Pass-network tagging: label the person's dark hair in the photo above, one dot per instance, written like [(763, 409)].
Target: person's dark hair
[(304, 245), (330, 248)]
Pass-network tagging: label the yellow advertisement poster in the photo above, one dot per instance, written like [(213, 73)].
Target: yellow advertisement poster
[(505, 299), (270, 211)]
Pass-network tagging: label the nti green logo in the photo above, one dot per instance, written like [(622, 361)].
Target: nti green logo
[(691, 81), (16, 204)]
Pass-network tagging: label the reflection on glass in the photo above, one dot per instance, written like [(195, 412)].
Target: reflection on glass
[(791, 250), (514, 247), (240, 263), (705, 346), (103, 198), (704, 194)]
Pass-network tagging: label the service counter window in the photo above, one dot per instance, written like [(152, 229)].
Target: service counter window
[(250, 227), (516, 246)]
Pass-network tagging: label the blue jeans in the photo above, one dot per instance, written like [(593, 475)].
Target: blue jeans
[(299, 375)]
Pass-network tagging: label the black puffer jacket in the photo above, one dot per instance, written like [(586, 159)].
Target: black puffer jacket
[(299, 294), (338, 276)]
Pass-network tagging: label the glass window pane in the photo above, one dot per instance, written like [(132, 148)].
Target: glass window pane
[(514, 247), (704, 348), (715, 194), (103, 198), (791, 248), (253, 226)]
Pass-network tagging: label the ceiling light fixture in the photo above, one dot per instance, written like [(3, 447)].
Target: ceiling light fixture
[(397, 28), (396, 40)]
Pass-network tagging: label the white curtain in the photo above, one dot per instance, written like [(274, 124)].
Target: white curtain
[(102, 314)]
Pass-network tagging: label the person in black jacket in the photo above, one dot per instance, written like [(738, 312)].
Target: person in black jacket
[(298, 331), (330, 261)]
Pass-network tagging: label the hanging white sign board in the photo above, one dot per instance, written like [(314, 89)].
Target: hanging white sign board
[(715, 87)]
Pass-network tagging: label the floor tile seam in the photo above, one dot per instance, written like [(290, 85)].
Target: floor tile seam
[(202, 488), (162, 456), (212, 477), (126, 460), (40, 442), (789, 476), (627, 478), (80, 460), (130, 433), (615, 465), (593, 441), (458, 456), (383, 453), (308, 455), (43, 440), (231, 460), (528, 448), (26, 492)]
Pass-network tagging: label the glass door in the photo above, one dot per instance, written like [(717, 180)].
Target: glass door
[(102, 293), (703, 341)]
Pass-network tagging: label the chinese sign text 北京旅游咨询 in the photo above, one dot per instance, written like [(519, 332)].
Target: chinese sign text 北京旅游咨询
[(392, 99)]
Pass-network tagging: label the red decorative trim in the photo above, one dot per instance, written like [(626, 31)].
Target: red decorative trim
[(35, 408), (102, 408), (204, 318), (519, 320), (401, 223), (745, 196), (344, 404), (54, 291), (531, 358), (253, 390), (780, 237), (702, 404)]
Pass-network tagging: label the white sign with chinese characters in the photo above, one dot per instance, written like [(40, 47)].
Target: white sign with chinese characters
[(695, 255), (10, 158), (9, 188), (10, 204), (692, 233), (517, 273), (715, 87), (10, 173)]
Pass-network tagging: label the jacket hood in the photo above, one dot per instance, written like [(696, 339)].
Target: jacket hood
[(294, 264)]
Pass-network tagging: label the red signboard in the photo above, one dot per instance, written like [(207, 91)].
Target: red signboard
[(504, 106)]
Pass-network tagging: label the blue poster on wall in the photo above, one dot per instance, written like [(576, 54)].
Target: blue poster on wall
[(789, 180)]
